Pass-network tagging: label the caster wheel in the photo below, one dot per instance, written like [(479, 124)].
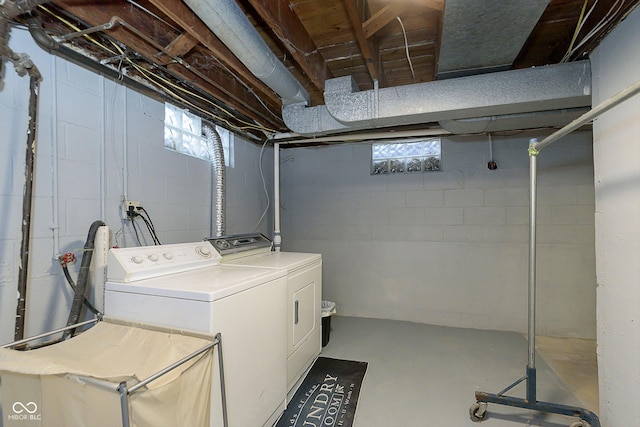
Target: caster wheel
[(478, 412), (580, 423)]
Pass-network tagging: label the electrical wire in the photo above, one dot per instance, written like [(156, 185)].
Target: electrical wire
[(149, 218), (579, 25), (150, 229), (606, 20), (406, 48), (222, 65), (135, 230), (116, 234), (264, 185), (131, 216), (75, 28), (247, 87), (153, 78), (144, 9), (149, 224)]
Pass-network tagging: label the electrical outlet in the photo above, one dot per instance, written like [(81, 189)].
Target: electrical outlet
[(130, 206), (131, 203)]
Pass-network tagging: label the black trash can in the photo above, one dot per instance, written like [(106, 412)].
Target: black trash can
[(326, 330), (328, 310)]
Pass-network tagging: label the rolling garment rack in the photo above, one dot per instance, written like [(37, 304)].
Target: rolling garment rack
[(478, 411)]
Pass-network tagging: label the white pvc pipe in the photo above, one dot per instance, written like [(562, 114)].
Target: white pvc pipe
[(125, 157), (55, 226), (361, 136), (277, 239), (533, 187), (103, 177)]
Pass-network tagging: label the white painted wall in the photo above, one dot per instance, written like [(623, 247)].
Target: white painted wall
[(616, 134), (451, 247), (99, 125)]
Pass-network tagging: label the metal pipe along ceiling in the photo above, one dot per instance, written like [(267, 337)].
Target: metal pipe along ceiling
[(229, 23)]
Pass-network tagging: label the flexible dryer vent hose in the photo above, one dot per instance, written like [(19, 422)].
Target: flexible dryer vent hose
[(216, 153)]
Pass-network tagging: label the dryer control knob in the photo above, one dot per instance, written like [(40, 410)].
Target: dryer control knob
[(167, 255), (137, 259), (222, 244), (153, 257)]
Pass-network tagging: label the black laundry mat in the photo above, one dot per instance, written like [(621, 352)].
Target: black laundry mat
[(327, 396)]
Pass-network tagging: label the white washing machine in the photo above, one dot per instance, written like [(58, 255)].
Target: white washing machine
[(184, 286), (304, 295)]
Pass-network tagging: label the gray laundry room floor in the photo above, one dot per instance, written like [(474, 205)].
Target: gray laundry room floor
[(426, 376)]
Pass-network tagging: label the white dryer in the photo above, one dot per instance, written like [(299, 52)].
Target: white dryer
[(304, 295), (184, 286)]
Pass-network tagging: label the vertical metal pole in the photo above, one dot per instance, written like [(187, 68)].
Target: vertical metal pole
[(124, 403), (277, 239), (531, 365), (223, 389)]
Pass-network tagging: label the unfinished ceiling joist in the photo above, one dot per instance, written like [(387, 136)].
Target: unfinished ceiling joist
[(183, 16), (242, 67), (290, 30), (149, 46), (369, 48), (382, 18)]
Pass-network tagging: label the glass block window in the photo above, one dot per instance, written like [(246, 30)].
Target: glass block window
[(183, 132), (406, 157)]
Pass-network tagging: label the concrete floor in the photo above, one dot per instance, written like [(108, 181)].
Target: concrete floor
[(574, 361), (423, 375)]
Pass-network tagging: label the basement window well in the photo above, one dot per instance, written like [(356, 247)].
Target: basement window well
[(423, 155), (183, 133)]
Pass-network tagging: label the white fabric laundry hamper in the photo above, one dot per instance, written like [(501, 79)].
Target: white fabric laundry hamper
[(78, 382)]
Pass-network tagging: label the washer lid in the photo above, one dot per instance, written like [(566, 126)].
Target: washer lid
[(204, 284)]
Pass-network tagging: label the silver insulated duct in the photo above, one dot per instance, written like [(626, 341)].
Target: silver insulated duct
[(522, 91), (229, 23), (216, 153)]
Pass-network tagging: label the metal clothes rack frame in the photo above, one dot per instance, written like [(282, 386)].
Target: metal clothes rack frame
[(478, 411), (122, 389)]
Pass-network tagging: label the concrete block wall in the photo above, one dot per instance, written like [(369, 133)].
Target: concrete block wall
[(97, 143), (616, 134), (449, 247), (246, 198)]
